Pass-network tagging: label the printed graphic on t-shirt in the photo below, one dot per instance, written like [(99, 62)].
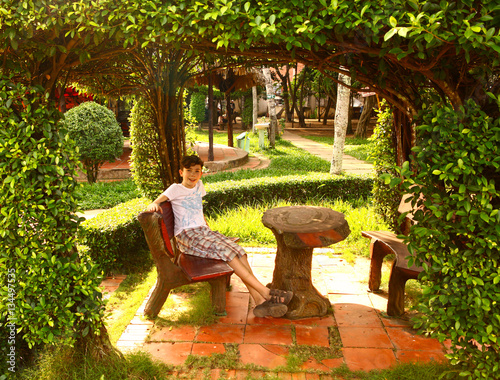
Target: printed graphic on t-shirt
[(192, 205)]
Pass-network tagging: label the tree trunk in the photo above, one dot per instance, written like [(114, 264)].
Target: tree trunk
[(255, 108), (364, 119), (271, 104), (210, 118), (341, 121), (229, 114), (327, 110), (285, 85)]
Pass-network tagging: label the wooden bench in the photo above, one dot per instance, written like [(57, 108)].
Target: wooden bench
[(382, 244), (175, 268)]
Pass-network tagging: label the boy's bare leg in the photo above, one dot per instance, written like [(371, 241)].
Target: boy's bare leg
[(241, 267)]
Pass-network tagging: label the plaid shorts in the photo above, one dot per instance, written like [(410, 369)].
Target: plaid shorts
[(203, 242)]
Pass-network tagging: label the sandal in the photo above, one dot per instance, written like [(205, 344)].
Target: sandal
[(269, 309), (281, 296)]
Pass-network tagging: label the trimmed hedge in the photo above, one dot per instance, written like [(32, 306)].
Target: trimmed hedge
[(116, 242), (299, 189), (114, 238)]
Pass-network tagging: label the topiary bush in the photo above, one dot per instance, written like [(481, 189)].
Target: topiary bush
[(197, 107), (97, 134), (386, 199), (145, 159), (457, 168), (114, 238), (48, 294)]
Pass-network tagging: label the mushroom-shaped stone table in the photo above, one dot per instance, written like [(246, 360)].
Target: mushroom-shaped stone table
[(298, 230)]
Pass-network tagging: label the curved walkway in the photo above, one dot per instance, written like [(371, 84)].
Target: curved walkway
[(349, 163)]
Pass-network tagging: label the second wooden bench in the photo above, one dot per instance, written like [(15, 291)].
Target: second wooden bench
[(384, 243)]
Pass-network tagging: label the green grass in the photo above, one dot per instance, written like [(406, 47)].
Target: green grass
[(356, 147), (245, 223), (103, 195), (124, 302)]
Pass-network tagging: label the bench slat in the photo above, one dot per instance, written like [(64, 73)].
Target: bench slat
[(396, 245), (199, 268)]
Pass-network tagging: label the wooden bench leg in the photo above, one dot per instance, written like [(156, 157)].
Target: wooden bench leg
[(397, 282), (169, 277), (377, 253), (218, 294)]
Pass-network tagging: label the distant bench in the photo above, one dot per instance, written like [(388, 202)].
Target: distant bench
[(382, 244), (176, 269)]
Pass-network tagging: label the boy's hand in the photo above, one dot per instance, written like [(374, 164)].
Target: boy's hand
[(154, 207)]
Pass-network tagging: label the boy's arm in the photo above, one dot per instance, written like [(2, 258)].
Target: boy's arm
[(155, 206)]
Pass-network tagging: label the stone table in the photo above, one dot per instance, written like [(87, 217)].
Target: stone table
[(298, 230)]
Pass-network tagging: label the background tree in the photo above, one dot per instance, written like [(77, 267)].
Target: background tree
[(364, 118), (341, 121), (97, 134)]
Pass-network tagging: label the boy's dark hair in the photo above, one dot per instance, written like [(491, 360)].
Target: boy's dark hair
[(192, 160)]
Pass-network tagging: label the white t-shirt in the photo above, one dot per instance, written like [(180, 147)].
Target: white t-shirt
[(187, 206)]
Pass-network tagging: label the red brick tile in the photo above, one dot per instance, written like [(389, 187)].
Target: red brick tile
[(253, 320), (345, 283), (266, 260), (137, 331), (257, 354), (312, 376), (237, 286), (221, 334), (317, 321), (356, 315), (170, 353), (276, 349), (312, 335), (369, 337), (236, 308), (367, 359), (407, 339), (420, 356), (333, 363), (395, 322), (299, 376), (348, 299), (207, 349), (182, 333), (379, 301), (314, 364), (284, 376), (268, 334)]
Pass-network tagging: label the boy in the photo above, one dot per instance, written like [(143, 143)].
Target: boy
[(194, 237)]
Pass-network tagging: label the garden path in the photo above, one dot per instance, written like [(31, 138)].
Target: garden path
[(357, 333)]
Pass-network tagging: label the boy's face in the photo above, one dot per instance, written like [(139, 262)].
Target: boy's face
[(191, 176)]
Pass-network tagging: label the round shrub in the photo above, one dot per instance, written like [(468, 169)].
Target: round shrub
[(197, 106), (97, 134)]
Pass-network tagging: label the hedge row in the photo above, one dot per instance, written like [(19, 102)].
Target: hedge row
[(297, 189), (115, 240)]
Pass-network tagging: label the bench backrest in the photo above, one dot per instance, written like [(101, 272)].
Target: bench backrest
[(167, 226)]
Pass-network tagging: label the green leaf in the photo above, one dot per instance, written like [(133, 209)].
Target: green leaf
[(390, 33), (393, 22), (247, 6)]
